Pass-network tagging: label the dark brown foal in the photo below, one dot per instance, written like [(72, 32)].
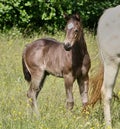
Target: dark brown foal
[(69, 60)]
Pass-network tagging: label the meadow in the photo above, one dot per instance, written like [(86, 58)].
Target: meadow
[(51, 100)]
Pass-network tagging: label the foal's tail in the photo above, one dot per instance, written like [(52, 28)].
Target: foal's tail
[(27, 75), (96, 84)]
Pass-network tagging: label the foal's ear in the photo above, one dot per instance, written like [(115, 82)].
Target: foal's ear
[(77, 16), (66, 16)]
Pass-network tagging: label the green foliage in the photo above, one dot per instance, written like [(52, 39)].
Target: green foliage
[(48, 14)]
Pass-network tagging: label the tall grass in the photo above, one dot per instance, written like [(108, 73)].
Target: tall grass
[(51, 101)]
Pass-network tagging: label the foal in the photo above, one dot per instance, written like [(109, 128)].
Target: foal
[(69, 60)]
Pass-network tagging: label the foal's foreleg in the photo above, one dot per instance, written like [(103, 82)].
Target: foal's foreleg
[(83, 88), (68, 87)]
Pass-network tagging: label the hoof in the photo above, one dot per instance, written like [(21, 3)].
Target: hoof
[(85, 105), (70, 105)]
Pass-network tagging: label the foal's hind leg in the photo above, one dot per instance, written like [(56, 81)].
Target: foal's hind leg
[(110, 73), (35, 87)]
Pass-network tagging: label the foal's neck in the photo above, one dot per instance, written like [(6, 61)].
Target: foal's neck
[(80, 46)]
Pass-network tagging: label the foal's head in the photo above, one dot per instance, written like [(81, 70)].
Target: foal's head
[(73, 31)]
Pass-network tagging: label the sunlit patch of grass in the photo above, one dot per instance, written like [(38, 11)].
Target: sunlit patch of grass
[(52, 98)]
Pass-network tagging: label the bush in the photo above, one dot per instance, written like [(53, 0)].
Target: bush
[(48, 14)]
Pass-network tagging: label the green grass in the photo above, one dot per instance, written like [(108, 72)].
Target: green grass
[(51, 100)]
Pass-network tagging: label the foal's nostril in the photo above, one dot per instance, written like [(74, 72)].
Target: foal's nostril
[(67, 46)]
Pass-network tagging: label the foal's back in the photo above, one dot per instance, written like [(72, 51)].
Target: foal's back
[(48, 55)]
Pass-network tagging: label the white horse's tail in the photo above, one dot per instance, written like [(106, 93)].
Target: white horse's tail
[(95, 86)]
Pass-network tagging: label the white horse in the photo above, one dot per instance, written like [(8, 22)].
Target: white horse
[(108, 35)]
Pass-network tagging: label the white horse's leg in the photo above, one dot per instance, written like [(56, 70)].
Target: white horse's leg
[(110, 73)]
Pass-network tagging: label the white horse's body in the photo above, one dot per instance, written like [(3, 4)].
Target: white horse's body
[(108, 34)]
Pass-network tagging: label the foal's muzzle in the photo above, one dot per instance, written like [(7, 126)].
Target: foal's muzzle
[(67, 46)]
